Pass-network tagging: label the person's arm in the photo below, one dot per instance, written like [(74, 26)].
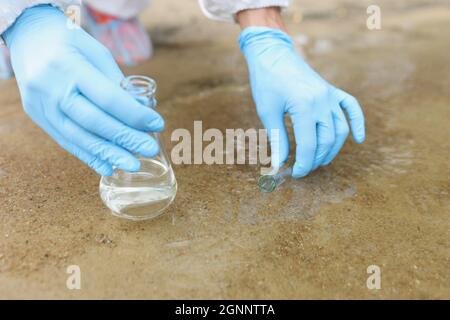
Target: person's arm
[(283, 83), (12, 9), (263, 17), (226, 10), (69, 85)]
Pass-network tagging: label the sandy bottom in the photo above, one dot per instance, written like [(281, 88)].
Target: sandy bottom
[(384, 203)]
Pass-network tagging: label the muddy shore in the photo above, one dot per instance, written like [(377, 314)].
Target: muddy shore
[(383, 203)]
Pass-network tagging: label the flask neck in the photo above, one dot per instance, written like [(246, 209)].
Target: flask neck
[(142, 88)]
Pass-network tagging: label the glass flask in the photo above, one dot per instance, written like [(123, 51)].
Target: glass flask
[(147, 193)]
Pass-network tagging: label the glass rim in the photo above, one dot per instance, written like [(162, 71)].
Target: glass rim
[(146, 84)]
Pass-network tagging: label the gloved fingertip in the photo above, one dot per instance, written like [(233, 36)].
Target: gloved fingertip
[(299, 171), (104, 169), (359, 138), (298, 176), (279, 156), (358, 131), (130, 164), (156, 124), (276, 162), (149, 149), (326, 163)]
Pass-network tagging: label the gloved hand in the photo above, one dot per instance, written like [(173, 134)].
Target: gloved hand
[(69, 84), (282, 82)]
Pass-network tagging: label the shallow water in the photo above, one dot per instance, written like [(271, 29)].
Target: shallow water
[(384, 203)]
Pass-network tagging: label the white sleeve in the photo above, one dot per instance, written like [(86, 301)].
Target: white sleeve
[(225, 10), (11, 9)]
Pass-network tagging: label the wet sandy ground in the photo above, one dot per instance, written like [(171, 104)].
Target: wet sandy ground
[(384, 203)]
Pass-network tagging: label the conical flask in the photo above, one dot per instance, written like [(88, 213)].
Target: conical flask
[(147, 193)]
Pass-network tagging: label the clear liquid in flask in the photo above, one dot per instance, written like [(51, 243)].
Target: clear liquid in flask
[(140, 195)]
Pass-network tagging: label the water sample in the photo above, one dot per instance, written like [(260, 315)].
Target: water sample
[(147, 193)]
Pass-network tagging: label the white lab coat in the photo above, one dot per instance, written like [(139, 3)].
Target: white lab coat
[(215, 9)]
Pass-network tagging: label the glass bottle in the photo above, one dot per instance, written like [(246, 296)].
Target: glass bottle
[(269, 182), (147, 193)]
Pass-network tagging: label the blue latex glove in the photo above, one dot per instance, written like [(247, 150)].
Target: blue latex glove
[(282, 82), (69, 84)]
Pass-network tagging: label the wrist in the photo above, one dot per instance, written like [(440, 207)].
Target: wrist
[(262, 17), (257, 39)]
